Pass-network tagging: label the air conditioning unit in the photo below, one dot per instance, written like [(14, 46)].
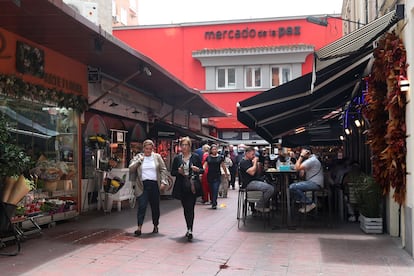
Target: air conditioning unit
[(86, 9), (116, 19)]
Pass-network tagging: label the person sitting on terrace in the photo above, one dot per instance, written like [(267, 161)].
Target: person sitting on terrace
[(251, 180), (308, 164)]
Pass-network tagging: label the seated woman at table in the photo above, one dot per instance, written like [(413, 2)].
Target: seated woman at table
[(248, 168), (312, 167)]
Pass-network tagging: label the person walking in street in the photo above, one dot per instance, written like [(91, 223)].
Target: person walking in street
[(233, 167), (309, 165), (225, 175), (185, 166), (151, 178), (204, 183), (252, 181), (213, 164)]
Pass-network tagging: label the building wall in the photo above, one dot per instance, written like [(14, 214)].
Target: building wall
[(408, 212), (173, 46)]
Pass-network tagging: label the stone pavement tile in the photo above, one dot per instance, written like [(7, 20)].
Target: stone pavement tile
[(299, 269), (332, 269), (203, 267), (236, 271)]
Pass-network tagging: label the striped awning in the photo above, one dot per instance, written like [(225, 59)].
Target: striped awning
[(358, 40)]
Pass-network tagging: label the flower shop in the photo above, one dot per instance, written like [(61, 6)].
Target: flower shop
[(40, 106)]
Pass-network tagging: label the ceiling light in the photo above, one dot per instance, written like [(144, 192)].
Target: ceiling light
[(111, 103)]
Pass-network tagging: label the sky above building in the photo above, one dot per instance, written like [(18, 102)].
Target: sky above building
[(152, 12)]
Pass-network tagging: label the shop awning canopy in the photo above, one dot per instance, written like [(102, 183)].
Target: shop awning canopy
[(166, 130), (279, 111), (309, 100), (53, 24)]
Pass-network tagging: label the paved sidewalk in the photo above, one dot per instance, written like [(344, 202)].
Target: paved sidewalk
[(98, 244)]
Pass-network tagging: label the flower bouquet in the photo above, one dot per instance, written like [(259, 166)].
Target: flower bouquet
[(98, 141), (113, 185)]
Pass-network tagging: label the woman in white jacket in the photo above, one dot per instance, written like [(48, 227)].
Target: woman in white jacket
[(151, 178)]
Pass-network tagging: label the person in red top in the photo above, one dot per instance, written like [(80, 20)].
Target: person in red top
[(204, 182)]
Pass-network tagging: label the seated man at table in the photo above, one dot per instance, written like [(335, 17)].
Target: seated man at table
[(309, 164), (252, 181)]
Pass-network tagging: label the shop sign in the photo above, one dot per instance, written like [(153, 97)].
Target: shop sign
[(31, 60), (62, 82), (166, 133), (252, 33)]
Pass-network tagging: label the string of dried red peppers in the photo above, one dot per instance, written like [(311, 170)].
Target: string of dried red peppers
[(385, 112)]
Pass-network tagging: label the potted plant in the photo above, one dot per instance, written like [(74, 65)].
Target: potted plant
[(13, 163), (370, 201)]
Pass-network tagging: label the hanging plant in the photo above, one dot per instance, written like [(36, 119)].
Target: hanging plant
[(15, 87), (395, 153), (385, 111)]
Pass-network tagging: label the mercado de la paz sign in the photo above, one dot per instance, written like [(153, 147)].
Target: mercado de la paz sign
[(252, 33)]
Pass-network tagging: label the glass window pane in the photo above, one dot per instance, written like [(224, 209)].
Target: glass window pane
[(231, 77), (249, 80), (221, 78), (285, 75), (257, 77), (275, 76)]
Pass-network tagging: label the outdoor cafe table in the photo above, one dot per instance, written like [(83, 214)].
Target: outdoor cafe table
[(283, 176)]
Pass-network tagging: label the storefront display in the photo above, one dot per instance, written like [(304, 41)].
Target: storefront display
[(49, 136)]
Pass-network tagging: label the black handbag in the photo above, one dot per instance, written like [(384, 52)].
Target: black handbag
[(195, 185)]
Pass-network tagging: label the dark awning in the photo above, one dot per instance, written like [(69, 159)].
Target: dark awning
[(326, 133), (162, 129), (55, 25), (306, 100), (277, 111)]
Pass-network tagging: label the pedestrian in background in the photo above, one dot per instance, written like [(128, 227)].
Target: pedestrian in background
[(213, 164), (151, 178), (225, 175), (233, 167), (204, 183), (186, 165)]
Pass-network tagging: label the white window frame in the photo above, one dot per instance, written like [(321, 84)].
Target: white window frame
[(227, 84), (252, 71), (282, 70), (124, 16)]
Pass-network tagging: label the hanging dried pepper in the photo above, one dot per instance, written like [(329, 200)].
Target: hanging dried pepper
[(385, 112)]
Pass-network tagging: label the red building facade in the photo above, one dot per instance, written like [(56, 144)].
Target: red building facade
[(229, 61)]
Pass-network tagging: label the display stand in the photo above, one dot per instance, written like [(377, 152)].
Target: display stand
[(106, 200)]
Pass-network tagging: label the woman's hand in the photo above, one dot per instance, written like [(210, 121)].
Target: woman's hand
[(163, 187), (195, 168), (181, 170)]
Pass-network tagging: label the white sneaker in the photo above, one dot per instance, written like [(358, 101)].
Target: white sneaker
[(263, 210), (352, 219), (310, 207)]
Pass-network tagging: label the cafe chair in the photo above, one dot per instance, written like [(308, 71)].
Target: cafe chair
[(323, 199), (246, 204)]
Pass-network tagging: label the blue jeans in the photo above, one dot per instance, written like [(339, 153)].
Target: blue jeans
[(214, 189), (298, 190), (267, 189), (150, 194)]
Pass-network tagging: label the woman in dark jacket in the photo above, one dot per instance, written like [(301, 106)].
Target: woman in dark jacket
[(186, 166)]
